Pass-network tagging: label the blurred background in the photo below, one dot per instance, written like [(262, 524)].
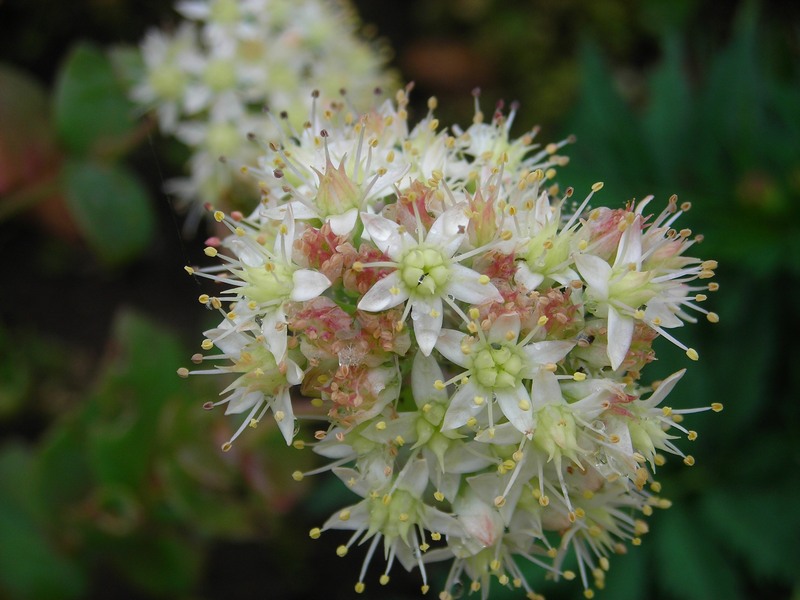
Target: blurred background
[(112, 484)]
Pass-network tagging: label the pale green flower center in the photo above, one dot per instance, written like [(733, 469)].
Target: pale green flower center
[(260, 371), (223, 139), (225, 12), (556, 431), (394, 514), (547, 251), (269, 283), (632, 288), (220, 75), (425, 271), (168, 81), (498, 366)]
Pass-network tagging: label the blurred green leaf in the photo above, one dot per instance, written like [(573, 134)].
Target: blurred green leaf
[(27, 139), (757, 526), (666, 118), (31, 568), (126, 405), (15, 376), (91, 108), (691, 566), (111, 207)]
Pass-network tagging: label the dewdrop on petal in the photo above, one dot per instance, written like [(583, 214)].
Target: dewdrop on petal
[(462, 345)]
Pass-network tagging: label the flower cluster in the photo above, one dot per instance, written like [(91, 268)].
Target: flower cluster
[(470, 336), (211, 77)]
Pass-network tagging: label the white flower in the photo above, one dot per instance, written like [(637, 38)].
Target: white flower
[(427, 272), (497, 365)]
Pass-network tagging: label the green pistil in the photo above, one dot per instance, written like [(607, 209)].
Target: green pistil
[(425, 271), (497, 366)]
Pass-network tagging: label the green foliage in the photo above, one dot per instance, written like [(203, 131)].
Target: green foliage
[(129, 482), (91, 108), (111, 207), (723, 138)]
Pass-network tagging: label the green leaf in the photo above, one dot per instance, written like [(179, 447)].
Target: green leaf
[(91, 108), (111, 207), (31, 568)]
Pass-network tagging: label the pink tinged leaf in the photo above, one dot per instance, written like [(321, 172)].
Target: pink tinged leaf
[(596, 272), (385, 294), (343, 224), (465, 285), (516, 406), (308, 284), (462, 406), (426, 315), (620, 334), (449, 344)]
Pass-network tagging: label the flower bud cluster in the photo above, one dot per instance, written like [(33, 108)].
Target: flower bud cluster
[(210, 79), (471, 338)]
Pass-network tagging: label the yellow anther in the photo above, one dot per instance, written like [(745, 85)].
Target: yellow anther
[(692, 354), (210, 251), (226, 447), (380, 425), (344, 515), (588, 593), (542, 321), (500, 501), (297, 476), (578, 376), (219, 216), (552, 552), (503, 579), (544, 500), (203, 299), (183, 372), (341, 551), (666, 410), (660, 460), (189, 270), (439, 385), (483, 279), (475, 586), (713, 286), (712, 317), (688, 460), (568, 575), (279, 415), (399, 440), (315, 533), (439, 496), (472, 422), (700, 298), (253, 423), (692, 435), (478, 400), (716, 406), (597, 186), (656, 487), (647, 510), (403, 517), (384, 579), (360, 587), (358, 266), (298, 444), (494, 565), (387, 499), (524, 404)]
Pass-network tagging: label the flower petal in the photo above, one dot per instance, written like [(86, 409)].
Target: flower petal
[(448, 230), (343, 224), (283, 413), (516, 406), (504, 329), (384, 233), (426, 316), (385, 294), (449, 344), (462, 407), (620, 334), (596, 272), (308, 284), (424, 372), (465, 285), (542, 353), (528, 278)]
